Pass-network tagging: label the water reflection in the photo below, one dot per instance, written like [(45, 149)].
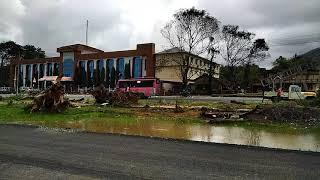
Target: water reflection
[(198, 132)]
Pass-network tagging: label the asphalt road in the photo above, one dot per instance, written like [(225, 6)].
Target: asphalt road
[(191, 98), (210, 98), (39, 153)]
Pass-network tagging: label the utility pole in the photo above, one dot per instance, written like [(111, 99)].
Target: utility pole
[(87, 26)]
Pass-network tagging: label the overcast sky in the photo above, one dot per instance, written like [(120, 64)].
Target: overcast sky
[(289, 26)]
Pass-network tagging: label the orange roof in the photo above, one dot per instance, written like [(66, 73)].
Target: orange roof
[(77, 47)]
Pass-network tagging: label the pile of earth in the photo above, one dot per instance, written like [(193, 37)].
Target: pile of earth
[(285, 112)]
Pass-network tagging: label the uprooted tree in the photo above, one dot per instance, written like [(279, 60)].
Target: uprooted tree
[(50, 100), (117, 98)]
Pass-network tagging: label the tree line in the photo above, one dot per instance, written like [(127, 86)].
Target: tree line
[(10, 49)]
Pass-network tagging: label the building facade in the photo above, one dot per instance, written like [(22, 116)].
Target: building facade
[(170, 62), (84, 66)]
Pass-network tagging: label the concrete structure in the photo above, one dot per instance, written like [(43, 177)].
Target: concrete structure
[(169, 62), (307, 80), (80, 61)]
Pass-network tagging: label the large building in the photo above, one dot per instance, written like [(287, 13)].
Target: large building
[(81, 64), (85, 67)]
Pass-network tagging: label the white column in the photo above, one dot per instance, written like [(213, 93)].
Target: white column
[(15, 77), (94, 68), (38, 70), (94, 64), (24, 73), (105, 69), (131, 67), (143, 66), (86, 65), (45, 70), (45, 74), (31, 73)]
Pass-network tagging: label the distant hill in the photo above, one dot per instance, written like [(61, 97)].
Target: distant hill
[(309, 60), (310, 56)]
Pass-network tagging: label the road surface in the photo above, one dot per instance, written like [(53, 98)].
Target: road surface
[(191, 98), (40, 153), (210, 98)]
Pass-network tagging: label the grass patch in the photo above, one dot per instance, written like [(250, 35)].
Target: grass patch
[(274, 127), (191, 103), (15, 113)]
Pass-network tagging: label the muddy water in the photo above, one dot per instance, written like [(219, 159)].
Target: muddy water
[(199, 132)]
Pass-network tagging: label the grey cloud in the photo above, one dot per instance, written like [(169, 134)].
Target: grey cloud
[(289, 26), (53, 24)]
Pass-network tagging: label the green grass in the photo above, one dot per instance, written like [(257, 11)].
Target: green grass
[(190, 103), (16, 113), (274, 127)]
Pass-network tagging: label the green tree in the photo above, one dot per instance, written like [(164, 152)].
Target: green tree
[(238, 48), (32, 52), (281, 63), (8, 50)]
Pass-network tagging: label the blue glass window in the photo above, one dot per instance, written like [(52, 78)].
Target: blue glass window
[(20, 75), (120, 67), (83, 70), (137, 64), (91, 69), (100, 64), (56, 69), (111, 64), (68, 68), (41, 69)]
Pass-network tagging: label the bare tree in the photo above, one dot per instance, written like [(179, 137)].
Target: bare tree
[(189, 32), (238, 48)]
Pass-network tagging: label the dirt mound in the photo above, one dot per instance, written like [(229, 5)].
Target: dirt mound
[(287, 112)]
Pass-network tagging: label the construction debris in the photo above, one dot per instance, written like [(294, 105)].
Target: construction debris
[(214, 115)]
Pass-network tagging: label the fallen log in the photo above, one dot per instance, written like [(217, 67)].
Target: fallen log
[(219, 116)]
